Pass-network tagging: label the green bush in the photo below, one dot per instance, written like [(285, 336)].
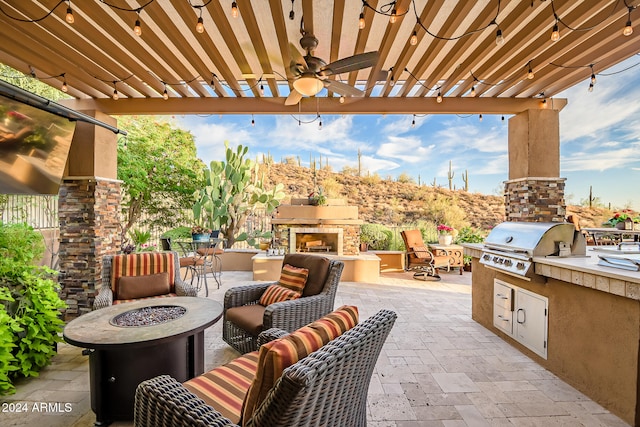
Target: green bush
[(469, 235), (30, 323), (178, 233), (376, 236)]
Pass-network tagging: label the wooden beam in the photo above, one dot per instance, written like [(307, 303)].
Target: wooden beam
[(312, 106)]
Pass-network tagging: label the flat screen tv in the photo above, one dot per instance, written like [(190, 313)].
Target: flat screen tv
[(34, 146)]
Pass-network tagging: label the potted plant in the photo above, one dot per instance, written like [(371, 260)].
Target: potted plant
[(317, 198), (468, 235), (199, 233), (621, 220), (445, 234)]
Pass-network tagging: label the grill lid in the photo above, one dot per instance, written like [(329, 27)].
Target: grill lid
[(530, 238)]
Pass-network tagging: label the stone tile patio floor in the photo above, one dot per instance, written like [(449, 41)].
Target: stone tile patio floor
[(438, 368)]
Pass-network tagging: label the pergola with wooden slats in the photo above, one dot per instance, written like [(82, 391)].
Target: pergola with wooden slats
[(241, 65)]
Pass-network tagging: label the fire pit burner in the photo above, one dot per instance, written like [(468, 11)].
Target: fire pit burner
[(148, 316)]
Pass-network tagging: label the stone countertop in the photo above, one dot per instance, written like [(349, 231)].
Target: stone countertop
[(94, 330), (588, 264)]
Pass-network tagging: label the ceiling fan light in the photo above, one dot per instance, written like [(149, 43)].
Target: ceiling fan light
[(308, 85)]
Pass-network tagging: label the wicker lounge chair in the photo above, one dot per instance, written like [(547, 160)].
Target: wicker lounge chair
[(420, 259), (156, 262), (326, 388), (245, 318)]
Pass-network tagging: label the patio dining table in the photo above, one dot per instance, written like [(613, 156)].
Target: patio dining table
[(206, 258)]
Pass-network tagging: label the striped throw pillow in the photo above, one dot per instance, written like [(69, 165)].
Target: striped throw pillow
[(293, 278), (279, 354), (140, 264), (277, 293), (421, 251)]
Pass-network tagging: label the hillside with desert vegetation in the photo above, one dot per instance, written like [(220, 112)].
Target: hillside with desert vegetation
[(403, 202)]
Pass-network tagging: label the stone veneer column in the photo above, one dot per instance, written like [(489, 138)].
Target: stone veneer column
[(89, 210), (534, 191), (535, 199), (89, 229)]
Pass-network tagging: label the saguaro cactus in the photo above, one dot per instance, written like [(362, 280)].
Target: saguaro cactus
[(465, 179), (450, 176), (591, 198)]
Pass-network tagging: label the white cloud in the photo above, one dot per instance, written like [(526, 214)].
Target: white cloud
[(406, 149), (456, 136), (210, 136)]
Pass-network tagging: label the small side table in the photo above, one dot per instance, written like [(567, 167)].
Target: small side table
[(454, 252)]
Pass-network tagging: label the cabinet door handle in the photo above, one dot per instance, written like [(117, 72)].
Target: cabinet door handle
[(504, 319), (524, 316), (502, 296)]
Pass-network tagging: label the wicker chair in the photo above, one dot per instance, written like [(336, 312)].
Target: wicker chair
[(327, 388), (245, 318), (106, 295), (420, 259)]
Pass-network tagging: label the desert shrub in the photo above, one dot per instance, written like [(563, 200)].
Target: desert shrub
[(30, 323), (445, 210), (349, 170), (376, 236), (371, 180), (332, 188), (406, 178)]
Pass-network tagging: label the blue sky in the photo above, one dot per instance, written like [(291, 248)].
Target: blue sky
[(599, 136)]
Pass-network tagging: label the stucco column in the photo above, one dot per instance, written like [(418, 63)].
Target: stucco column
[(535, 191), (88, 208)]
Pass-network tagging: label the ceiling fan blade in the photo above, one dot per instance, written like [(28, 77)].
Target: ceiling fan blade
[(342, 88), (293, 98), (298, 64), (351, 63)]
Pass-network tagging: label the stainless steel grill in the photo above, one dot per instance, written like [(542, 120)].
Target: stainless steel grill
[(511, 246)]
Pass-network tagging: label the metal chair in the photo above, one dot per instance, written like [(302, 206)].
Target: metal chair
[(420, 259)]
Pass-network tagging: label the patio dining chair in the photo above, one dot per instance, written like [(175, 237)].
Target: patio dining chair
[(420, 259)]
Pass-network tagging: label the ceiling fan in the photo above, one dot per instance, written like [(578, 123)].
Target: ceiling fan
[(311, 72)]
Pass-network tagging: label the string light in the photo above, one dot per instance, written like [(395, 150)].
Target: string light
[(234, 9), (499, 38), (64, 87), (628, 29), (261, 90), (69, 18), (473, 91), (165, 94), (480, 117), (544, 103), (341, 99), (555, 33), (439, 98), (292, 14), (137, 28), (391, 81), (590, 87), (115, 95), (320, 123), (530, 74), (593, 76), (413, 122), (361, 21), (394, 16), (200, 25), (414, 39), (502, 118), (253, 122)]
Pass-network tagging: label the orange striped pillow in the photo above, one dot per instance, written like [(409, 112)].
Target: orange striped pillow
[(277, 293), (140, 264), (279, 354), (293, 278)]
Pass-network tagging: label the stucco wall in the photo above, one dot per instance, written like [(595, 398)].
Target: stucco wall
[(593, 337)]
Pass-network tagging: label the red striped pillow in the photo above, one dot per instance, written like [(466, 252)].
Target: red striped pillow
[(277, 293), (279, 354), (293, 278), (140, 264)]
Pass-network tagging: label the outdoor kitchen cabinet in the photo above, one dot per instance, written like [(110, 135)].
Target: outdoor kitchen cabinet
[(522, 315)]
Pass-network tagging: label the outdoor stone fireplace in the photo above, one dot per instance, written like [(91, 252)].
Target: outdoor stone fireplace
[(330, 229)]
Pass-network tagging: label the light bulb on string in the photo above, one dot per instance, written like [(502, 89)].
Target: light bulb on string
[(628, 29), (394, 17), (502, 118), (593, 78), (413, 122), (414, 39), (69, 18), (590, 87), (253, 122), (555, 33), (165, 94), (473, 91), (544, 103), (261, 90), (392, 81), (439, 98), (480, 117), (115, 95), (341, 99), (234, 9), (361, 21), (499, 38), (530, 74), (137, 29), (320, 123), (200, 25), (64, 87)]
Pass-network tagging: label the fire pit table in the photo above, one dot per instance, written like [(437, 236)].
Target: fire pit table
[(135, 341)]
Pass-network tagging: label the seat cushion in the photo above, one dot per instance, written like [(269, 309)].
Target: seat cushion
[(247, 317), (293, 278), (210, 251), (225, 387), (150, 285), (140, 264), (318, 267), (279, 354), (277, 293), (191, 261)]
